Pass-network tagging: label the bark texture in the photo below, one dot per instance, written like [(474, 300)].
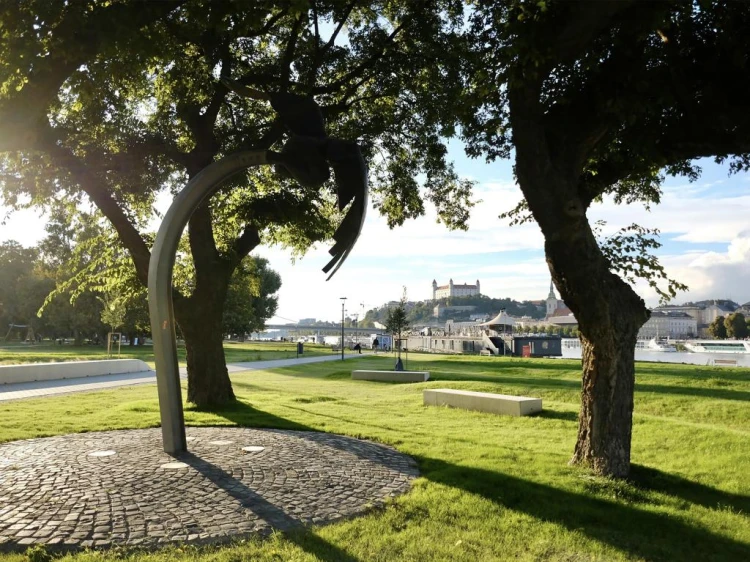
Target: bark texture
[(608, 311), (199, 318)]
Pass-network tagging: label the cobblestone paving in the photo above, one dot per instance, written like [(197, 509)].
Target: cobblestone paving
[(56, 491)]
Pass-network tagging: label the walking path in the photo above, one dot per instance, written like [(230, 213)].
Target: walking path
[(18, 391)]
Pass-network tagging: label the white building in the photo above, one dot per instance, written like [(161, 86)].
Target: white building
[(453, 290), (672, 324), (704, 312), (555, 306)]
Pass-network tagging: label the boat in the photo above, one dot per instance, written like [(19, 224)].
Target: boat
[(718, 346), (655, 345)]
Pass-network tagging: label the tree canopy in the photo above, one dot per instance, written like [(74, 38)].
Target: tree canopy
[(135, 110), (595, 100)]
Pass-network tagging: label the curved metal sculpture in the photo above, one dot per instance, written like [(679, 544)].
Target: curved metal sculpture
[(305, 157)]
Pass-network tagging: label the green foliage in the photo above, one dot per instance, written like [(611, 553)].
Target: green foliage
[(718, 328), (17, 280), (113, 310), (251, 297), (629, 253), (396, 321), (422, 312), (124, 118), (736, 326), (38, 553)]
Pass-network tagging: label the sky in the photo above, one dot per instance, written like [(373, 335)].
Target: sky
[(705, 232)]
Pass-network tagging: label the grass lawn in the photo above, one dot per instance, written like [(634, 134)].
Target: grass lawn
[(235, 352), (492, 487)]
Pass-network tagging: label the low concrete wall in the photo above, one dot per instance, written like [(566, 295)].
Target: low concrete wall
[(391, 376), (482, 401), (67, 370)]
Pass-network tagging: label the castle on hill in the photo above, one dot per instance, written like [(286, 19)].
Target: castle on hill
[(453, 290)]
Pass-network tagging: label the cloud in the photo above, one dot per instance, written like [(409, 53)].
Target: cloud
[(683, 218), (710, 274)]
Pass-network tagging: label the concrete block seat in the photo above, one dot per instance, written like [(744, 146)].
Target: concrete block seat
[(30, 372), (482, 401), (391, 376)]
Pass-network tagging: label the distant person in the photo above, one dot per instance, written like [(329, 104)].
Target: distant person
[(358, 348), (375, 344)]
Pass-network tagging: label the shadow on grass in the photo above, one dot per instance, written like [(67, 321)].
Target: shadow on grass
[(716, 393), (563, 384), (555, 415), (275, 516), (639, 532), (245, 415), (655, 480)]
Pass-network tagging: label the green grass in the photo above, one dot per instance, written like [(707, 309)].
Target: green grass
[(492, 487), (12, 354)]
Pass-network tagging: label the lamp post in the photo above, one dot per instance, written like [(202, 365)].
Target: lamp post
[(356, 327), (343, 302)]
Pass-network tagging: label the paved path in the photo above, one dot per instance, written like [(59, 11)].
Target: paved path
[(38, 389), (111, 488)]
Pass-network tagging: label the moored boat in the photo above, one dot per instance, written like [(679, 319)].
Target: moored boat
[(718, 346), (655, 345)]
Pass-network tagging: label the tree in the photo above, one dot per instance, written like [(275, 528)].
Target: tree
[(396, 323), (118, 118), (113, 310), (718, 328), (16, 273), (592, 101), (736, 326), (251, 299)]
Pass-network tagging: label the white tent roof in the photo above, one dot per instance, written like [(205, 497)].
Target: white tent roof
[(501, 319)]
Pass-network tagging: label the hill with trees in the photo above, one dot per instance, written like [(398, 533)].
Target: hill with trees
[(422, 312)]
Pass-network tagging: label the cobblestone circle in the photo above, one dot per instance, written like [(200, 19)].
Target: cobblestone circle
[(56, 491)]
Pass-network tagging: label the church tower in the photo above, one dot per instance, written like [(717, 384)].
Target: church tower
[(434, 290), (551, 300)]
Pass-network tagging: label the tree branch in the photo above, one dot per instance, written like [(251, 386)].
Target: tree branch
[(362, 68), (246, 243), (288, 57), (347, 13), (99, 195), (23, 115)]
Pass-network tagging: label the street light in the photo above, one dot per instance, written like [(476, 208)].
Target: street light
[(343, 302)]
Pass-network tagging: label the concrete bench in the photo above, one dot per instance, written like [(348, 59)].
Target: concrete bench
[(391, 376), (729, 362), (482, 401), (30, 372), (485, 352)]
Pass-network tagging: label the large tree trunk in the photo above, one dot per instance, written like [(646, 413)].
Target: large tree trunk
[(608, 311), (609, 316), (199, 318), (605, 421)]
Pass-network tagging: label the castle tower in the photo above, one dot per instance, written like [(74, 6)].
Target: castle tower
[(434, 290), (551, 300), (478, 291), (450, 287)]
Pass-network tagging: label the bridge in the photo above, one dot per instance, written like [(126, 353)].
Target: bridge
[(331, 329)]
